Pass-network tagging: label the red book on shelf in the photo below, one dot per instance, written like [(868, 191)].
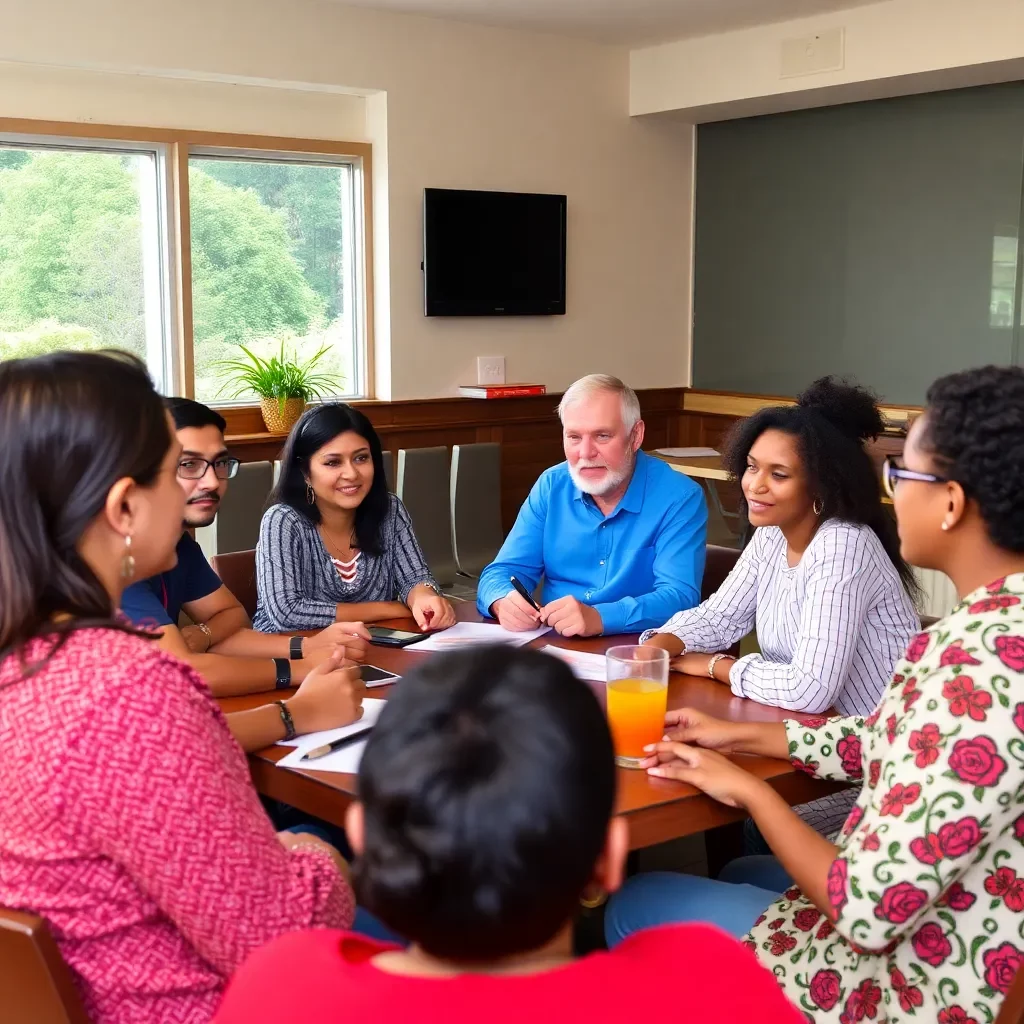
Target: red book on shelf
[(501, 390)]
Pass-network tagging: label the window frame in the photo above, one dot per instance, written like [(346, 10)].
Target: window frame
[(174, 147)]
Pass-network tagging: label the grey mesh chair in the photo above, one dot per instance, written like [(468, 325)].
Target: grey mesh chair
[(476, 506), (423, 486), (238, 521)]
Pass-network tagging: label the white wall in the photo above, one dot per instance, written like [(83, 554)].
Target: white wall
[(891, 48), (465, 106)]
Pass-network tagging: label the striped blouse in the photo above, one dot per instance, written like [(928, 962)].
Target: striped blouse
[(830, 628), (299, 586)]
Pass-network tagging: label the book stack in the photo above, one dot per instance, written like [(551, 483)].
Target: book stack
[(501, 390)]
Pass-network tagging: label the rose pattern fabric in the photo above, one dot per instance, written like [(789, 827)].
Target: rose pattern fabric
[(926, 895)]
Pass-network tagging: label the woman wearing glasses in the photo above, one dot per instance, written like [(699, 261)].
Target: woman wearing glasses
[(221, 646), (822, 578), (918, 904)]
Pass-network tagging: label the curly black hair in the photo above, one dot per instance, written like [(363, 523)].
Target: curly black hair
[(831, 421), (974, 431)]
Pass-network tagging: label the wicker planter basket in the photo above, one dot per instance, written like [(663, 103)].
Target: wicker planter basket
[(278, 421)]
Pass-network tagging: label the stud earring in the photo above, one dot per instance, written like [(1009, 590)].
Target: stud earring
[(945, 526), (310, 496), (127, 560)]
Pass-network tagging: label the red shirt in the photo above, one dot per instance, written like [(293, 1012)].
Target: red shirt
[(691, 973)]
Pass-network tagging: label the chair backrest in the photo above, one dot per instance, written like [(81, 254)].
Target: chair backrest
[(1012, 1009), (476, 505), (238, 520), (35, 982), (423, 486), (237, 571), (718, 563), (389, 469)]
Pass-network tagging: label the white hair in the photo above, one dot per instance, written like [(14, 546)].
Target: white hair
[(595, 383)]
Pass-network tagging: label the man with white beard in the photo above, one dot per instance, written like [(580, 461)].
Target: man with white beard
[(616, 536)]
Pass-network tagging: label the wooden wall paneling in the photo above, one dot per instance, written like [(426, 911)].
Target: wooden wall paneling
[(526, 428)]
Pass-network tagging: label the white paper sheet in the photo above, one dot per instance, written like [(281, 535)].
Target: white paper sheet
[(471, 634), (372, 707), (584, 666), (688, 453)]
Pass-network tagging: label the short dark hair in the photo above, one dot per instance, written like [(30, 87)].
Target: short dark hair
[(73, 424), (318, 425), (487, 784), (831, 422), (188, 413), (974, 430)]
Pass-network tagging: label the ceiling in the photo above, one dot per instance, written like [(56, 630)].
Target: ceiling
[(626, 22)]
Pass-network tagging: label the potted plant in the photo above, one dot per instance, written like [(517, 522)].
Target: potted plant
[(283, 384)]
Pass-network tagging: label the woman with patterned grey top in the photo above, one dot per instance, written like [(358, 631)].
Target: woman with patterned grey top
[(335, 545)]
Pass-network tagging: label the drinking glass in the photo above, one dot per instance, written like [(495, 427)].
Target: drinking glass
[(637, 700)]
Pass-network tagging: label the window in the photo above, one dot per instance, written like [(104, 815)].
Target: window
[(272, 261), (97, 236), (82, 236)]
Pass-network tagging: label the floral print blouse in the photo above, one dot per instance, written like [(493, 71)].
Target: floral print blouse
[(927, 889)]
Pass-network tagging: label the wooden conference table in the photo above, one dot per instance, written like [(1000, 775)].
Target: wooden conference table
[(657, 809)]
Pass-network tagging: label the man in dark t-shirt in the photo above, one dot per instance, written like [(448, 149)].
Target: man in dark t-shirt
[(221, 644)]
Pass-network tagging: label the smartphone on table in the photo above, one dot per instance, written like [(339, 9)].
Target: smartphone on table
[(373, 676), (384, 636)]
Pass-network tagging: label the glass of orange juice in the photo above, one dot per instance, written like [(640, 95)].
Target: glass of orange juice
[(637, 700)]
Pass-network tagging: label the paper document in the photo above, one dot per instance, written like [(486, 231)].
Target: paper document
[(371, 709), (474, 634), (688, 453), (584, 666)]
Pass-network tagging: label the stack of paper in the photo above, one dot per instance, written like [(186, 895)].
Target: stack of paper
[(584, 666), (475, 634), (344, 760), (688, 453)]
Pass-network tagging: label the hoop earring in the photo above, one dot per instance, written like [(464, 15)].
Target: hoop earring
[(310, 496), (592, 898), (817, 506), (127, 560)]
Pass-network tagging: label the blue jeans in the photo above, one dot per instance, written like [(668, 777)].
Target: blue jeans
[(365, 923), (744, 890)]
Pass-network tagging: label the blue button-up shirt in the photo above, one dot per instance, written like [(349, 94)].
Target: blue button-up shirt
[(637, 566)]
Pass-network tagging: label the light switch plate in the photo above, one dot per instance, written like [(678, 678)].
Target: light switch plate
[(490, 370)]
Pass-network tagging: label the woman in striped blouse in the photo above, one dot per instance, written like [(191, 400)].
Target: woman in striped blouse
[(822, 578), (335, 545)]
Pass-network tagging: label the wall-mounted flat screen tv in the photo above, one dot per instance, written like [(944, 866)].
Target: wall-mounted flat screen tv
[(493, 253)]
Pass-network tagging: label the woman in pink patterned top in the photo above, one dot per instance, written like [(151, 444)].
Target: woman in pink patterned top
[(916, 912), (128, 821)]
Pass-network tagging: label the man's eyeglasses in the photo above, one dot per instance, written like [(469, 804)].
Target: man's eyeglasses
[(195, 469), (892, 474)]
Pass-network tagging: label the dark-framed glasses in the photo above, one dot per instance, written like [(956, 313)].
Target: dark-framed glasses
[(892, 474), (190, 468)]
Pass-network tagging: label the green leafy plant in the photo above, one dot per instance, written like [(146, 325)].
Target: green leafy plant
[(281, 376)]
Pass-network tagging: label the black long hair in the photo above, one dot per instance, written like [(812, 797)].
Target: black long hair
[(831, 422), (317, 426), (73, 424), (487, 788)]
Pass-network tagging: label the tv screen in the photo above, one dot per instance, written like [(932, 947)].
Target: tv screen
[(493, 253)]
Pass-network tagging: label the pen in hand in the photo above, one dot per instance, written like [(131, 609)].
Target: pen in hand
[(330, 748), (524, 593)]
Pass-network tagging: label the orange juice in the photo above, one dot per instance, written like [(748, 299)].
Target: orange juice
[(636, 715)]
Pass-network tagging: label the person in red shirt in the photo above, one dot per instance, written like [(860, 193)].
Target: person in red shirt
[(488, 787)]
